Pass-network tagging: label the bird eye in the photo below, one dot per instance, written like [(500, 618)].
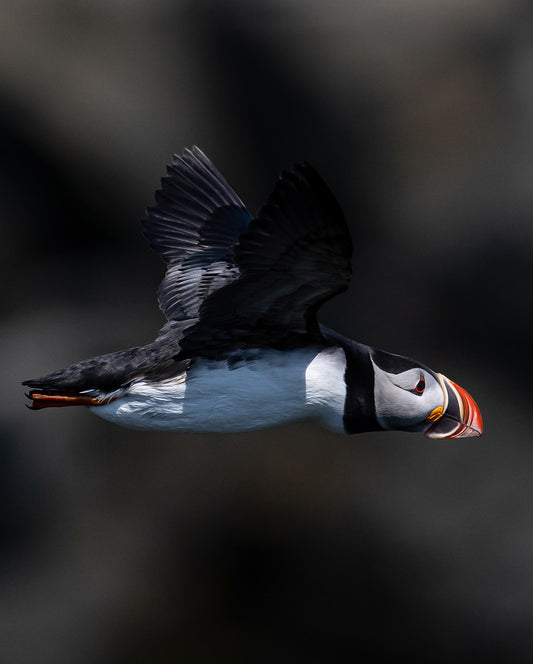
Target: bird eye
[(420, 386)]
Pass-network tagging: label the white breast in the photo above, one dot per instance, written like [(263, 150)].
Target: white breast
[(264, 390), (326, 389)]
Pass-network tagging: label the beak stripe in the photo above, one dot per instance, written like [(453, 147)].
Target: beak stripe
[(460, 417), (439, 411)]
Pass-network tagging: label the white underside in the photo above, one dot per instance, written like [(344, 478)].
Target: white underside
[(265, 390)]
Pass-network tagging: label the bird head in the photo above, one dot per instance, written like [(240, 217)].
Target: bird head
[(409, 396)]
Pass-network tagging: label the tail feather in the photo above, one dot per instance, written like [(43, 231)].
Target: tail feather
[(101, 379), (90, 382)]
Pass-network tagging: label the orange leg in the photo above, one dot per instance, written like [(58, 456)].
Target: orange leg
[(40, 400)]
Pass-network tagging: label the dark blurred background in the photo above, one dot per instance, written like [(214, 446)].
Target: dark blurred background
[(295, 544)]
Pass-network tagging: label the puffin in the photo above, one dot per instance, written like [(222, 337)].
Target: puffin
[(242, 347)]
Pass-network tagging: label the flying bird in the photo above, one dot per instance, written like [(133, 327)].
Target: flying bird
[(242, 347)]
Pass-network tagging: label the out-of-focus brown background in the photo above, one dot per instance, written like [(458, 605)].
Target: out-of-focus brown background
[(295, 544)]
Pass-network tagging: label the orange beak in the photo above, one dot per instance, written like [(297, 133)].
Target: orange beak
[(461, 417)]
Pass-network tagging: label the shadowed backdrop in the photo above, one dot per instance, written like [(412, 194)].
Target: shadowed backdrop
[(294, 544)]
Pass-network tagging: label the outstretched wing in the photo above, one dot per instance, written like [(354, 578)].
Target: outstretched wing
[(232, 282), (294, 256), (194, 226)]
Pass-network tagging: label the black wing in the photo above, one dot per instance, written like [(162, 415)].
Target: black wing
[(294, 256), (194, 226), (231, 283)]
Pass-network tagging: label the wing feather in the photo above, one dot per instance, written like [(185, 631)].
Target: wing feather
[(235, 282), (294, 256), (194, 226)]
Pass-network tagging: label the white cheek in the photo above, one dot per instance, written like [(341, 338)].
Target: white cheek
[(397, 408)]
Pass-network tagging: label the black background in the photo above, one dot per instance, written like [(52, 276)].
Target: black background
[(295, 544)]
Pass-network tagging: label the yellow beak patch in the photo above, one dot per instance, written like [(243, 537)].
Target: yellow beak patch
[(435, 414)]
